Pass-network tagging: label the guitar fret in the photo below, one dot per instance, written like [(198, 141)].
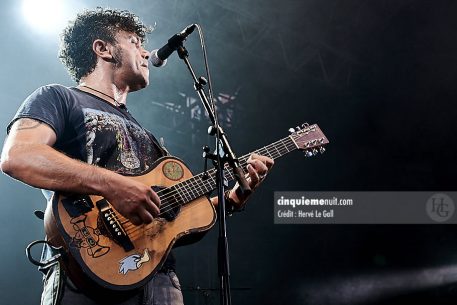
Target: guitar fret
[(212, 175), (285, 146), (291, 147), (207, 188), (180, 192), (191, 187), (175, 200), (279, 153), (263, 151), (174, 192), (203, 186), (230, 174), (275, 147), (178, 188), (185, 187)]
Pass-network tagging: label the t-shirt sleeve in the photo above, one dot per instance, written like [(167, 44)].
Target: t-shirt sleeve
[(46, 104)]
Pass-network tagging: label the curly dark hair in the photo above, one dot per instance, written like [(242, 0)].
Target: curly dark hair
[(76, 40)]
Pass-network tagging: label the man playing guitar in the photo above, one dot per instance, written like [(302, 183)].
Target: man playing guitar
[(83, 140)]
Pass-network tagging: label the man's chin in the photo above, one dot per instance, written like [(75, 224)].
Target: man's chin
[(139, 86)]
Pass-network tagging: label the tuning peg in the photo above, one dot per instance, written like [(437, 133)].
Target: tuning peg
[(304, 125), (315, 151), (321, 149), (308, 153), (292, 130), (297, 128)]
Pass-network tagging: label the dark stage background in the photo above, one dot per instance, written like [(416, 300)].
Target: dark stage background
[(377, 76)]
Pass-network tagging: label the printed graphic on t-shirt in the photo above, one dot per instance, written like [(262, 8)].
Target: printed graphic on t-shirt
[(116, 143)]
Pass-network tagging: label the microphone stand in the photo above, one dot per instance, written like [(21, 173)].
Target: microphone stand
[(219, 161)]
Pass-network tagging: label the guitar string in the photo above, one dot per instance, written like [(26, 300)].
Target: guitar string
[(288, 148)]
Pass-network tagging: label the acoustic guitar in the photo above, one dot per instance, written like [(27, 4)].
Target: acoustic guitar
[(103, 246)]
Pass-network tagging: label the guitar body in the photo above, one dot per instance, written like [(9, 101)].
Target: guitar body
[(102, 246)]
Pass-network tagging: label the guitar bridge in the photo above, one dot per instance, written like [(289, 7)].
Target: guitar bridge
[(113, 225)]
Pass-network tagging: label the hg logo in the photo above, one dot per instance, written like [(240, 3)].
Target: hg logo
[(440, 207)]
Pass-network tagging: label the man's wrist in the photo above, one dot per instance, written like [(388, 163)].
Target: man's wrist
[(231, 206)]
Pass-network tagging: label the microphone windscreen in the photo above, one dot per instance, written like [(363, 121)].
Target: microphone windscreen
[(155, 60)]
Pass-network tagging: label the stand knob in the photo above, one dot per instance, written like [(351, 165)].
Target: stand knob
[(202, 81)]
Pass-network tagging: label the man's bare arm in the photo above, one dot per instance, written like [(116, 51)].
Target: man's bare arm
[(28, 156)]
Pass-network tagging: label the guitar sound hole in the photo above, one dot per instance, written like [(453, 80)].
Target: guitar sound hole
[(170, 204)]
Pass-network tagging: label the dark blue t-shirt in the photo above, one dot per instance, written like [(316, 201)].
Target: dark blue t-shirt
[(94, 131)]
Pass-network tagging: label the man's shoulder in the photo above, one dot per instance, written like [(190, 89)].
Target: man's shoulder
[(55, 87), (55, 92), (51, 89)]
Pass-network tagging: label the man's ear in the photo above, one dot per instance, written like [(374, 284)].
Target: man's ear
[(102, 49)]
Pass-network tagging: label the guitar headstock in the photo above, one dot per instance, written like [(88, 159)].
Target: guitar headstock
[(309, 138)]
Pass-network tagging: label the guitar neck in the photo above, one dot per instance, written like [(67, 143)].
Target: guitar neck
[(202, 183), (274, 151), (308, 138)]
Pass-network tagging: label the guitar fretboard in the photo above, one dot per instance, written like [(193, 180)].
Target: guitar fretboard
[(202, 184)]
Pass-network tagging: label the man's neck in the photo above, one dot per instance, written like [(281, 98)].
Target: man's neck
[(105, 89)]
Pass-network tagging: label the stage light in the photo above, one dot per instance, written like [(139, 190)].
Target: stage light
[(45, 16)]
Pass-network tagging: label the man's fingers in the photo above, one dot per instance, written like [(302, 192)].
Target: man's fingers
[(259, 166), (136, 220), (146, 217), (155, 198), (143, 216), (152, 207), (152, 203), (269, 162), (264, 159), (253, 175)]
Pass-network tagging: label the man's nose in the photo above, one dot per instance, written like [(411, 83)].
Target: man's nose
[(145, 54)]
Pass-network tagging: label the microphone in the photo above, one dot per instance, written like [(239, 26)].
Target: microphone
[(159, 56)]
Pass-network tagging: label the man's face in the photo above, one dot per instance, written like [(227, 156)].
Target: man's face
[(130, 61)]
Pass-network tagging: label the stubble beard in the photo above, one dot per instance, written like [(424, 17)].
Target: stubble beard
[(135, 83)]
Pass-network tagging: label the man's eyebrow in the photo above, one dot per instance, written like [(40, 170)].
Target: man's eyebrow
[(137, 37), (142, 40)]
